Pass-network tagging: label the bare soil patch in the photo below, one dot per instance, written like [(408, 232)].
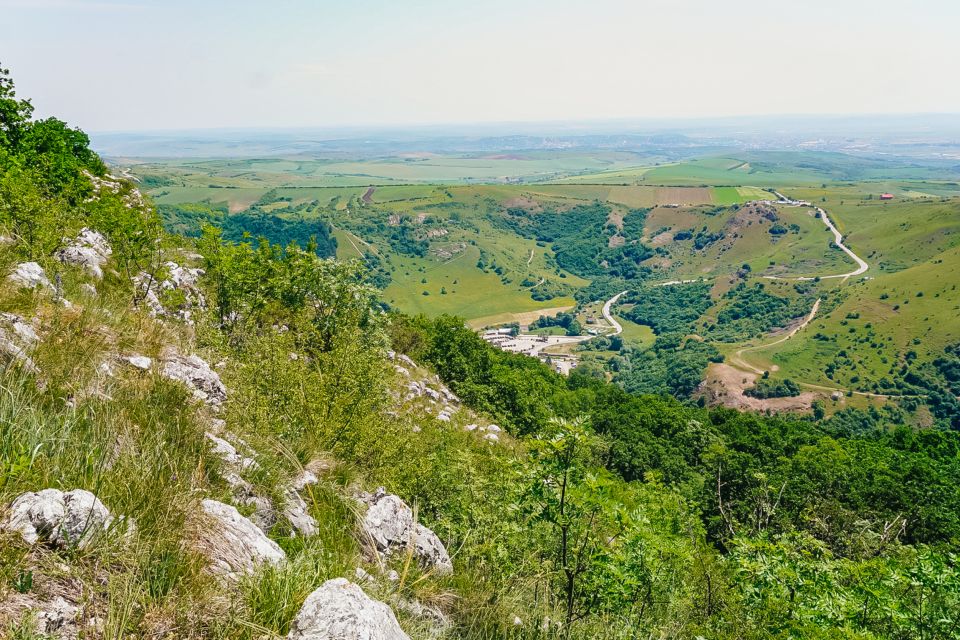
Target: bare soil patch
[(725, 385)]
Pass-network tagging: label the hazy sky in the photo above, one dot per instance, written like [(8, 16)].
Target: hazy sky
[(109, 65)]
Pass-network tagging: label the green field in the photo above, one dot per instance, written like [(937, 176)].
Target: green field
[(440, 232)]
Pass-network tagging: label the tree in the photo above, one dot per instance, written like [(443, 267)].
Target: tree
[(14, 113), (574, 499)]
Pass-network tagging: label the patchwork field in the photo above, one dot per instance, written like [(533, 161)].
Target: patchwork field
[(459, 235)]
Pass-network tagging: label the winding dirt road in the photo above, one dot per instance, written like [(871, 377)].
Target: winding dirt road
[(737, 358)]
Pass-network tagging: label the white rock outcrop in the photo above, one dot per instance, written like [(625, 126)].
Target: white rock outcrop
[(340, 610), (234, 546), (389, 524), (196, 373), (62, 519), (89, 250), (179, 279), (29, 275)]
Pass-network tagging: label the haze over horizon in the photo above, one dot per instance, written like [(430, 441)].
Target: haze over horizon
[(374, 63)]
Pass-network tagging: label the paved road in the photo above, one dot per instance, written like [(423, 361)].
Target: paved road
[(862, 265), (617, 327)]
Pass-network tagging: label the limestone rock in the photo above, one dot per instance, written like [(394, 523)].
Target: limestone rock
[(89, 250), (75, 518), (180, 279), (296, 511), (17, 337), (140, 362), (389, 524), (233, 544), (57, 618), (340, 610), (196, 374), (29, 275)]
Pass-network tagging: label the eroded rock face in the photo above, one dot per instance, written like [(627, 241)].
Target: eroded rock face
[(29, 275), (75, 518), (89, 250), (196, 374), (390, 525), (232, 543), (340, 610), (179, 279)]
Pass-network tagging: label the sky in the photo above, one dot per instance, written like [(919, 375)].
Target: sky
[(144, 65)]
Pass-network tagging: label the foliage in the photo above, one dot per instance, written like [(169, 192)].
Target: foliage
[(668, 309), (766, 388)]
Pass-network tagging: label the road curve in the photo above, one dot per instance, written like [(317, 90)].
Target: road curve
[(862, 265), (617, 327)]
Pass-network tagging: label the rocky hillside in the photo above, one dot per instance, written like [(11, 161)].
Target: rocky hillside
[(206, 439)]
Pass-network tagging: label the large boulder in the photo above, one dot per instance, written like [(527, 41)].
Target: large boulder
[(89, 250), (389, 524), (234, 546), (29, 275), (194, 372), (75, 518), (340, 610)]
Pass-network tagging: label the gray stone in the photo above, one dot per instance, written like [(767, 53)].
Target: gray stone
[(296, 511), (57, 618), (89, 250), (29, 275), (234, 546), (196, 374), (140, 362), (340, 610), (182, 279), (75, 518), (389, 524), (17, 337)]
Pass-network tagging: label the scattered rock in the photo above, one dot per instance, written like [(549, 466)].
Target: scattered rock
[(179, 279), (229, 454), (363, 576), (17, 336), (389, 524), (89, 250), (30, 275), (140, 362), (340, 610), (75, 518), (233, 544), (196, 374), (492, 437), (88, 290), (296, 511), (492, 428), (437, 619)]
